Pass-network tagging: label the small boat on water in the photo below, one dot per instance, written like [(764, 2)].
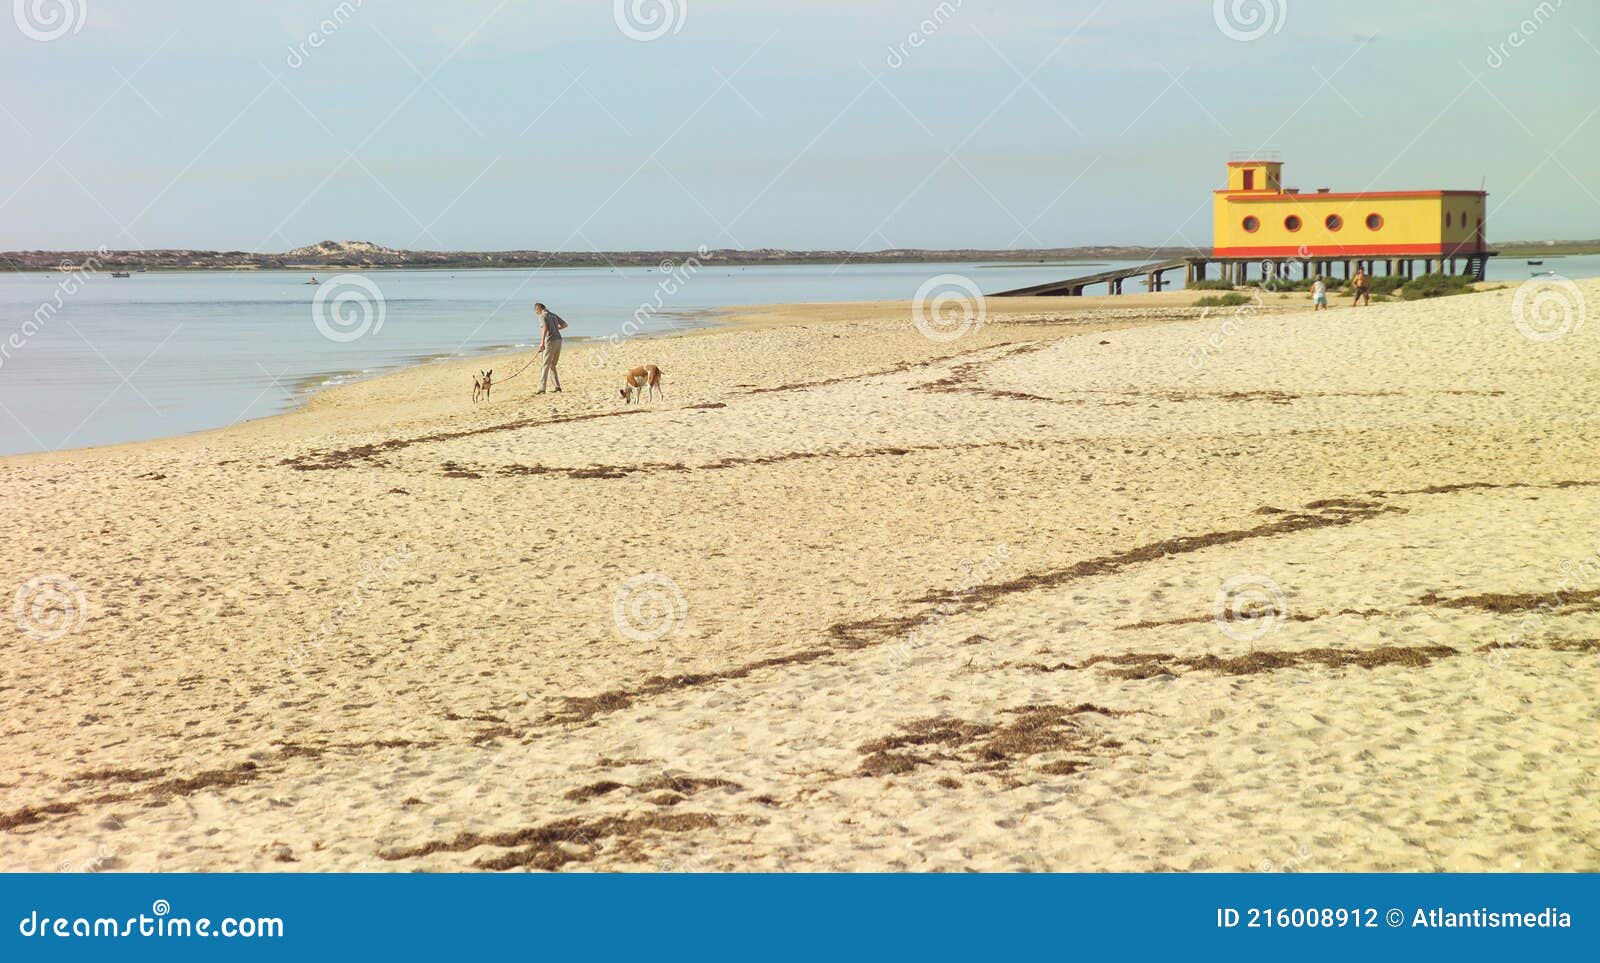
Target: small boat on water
[(121, 274), (1535, 262), (313, 280)]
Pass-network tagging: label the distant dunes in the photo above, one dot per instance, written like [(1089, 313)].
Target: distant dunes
[(365, 254)]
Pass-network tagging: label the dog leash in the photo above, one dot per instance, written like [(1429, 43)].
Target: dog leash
[(525, 367)]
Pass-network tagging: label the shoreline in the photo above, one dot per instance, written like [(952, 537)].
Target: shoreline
[(714, 319), (52, 261), (306, 386), (346, 268), (48, 262)]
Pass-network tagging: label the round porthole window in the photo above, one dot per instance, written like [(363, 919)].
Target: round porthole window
[(1292, 222), (1333, 222), (1252, 224), (1374, 221)]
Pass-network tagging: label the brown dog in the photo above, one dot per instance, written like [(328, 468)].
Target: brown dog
[(482, 383), (644, 379)]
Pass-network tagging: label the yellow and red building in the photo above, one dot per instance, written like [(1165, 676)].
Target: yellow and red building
[(1256, 218), (1261, 227)]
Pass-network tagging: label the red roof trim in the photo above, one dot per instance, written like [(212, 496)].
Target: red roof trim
[(1351, 250)]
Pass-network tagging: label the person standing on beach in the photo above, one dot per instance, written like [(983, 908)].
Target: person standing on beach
[(1363, 288), (1319, 295), (550, 325)]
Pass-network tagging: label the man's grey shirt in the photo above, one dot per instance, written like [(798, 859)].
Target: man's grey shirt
[(552, 326)]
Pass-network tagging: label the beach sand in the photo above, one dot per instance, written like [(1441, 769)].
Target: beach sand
[(1099, 585)]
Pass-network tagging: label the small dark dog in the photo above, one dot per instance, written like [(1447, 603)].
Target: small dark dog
[(482, 382)]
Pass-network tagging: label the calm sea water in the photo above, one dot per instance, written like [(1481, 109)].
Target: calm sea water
[(92, 360)]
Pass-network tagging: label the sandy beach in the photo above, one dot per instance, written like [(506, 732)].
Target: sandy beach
[(1099, 584)]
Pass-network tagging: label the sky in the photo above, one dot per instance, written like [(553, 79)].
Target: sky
[(835, 124)]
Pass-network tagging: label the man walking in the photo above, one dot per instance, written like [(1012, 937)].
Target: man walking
[(550, 325)]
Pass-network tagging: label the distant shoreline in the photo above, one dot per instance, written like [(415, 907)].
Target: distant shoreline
[(342, 256), (331, 257)]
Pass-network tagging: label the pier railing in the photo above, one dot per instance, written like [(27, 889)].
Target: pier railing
[(1238, 271)]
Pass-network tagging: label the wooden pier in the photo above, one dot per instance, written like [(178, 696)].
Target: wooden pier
[(1239, 271), (1073, 287)]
